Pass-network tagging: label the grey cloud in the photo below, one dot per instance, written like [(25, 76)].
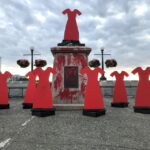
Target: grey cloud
[(123, 38)]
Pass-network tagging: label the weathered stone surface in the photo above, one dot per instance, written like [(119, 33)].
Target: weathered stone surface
[(65, 58), (107, 87)]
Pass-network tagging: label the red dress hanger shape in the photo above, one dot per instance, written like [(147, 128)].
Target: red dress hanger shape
[(30, 91), (120, 95), (93, 101), (43, 95), (71, 30), (4, 89), (93, 95), (142, 99)]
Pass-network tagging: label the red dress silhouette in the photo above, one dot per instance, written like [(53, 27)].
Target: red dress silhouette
[(71, 30), (4, 90), (30, 91), (93, 95), (142, 99), (120, 95), (43, 95)]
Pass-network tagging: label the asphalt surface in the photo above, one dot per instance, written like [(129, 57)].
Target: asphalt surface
[(119, 129)]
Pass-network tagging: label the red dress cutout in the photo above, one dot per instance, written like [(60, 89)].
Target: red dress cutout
[(71, 30), (30, 91), (3, 87), (143, 90), (93, 95), (120, 94), (43, 95)]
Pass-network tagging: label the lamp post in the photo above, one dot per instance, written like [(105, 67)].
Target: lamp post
[(102, 57), (32, 54)]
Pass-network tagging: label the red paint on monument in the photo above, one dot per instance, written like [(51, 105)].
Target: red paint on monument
[(59, 62), (69, 60), (3, 87), (80, 59), (83, 86), (57, 82), (67, 94)]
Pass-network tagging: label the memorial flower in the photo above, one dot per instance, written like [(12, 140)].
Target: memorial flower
[(111, 63), (94, 63), (40, 63), (23, 63)]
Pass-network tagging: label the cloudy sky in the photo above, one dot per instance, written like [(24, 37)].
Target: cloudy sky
[(122, 27)]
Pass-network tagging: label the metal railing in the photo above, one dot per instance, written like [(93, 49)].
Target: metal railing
[(13, 90)]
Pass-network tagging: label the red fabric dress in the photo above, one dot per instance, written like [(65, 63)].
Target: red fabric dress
[(120, 94), (30, 91), (43, 95), (93, 95), (3, 87), (142, 98), (71, 31)]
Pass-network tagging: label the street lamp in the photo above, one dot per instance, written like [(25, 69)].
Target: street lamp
[(102, 78), (32, 54)]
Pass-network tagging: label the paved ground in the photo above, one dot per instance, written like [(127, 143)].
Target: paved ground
[(119, 129)]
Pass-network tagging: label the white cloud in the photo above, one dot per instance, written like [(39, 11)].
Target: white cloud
[(40, 17), (141, 9), (121, 26)]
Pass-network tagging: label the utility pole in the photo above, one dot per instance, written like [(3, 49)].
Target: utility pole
[(102, 58), (32, 54)]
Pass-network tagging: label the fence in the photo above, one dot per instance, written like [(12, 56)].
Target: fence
[(18, 90)]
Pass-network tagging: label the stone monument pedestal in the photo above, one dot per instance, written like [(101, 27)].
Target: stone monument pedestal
[(68, 84)]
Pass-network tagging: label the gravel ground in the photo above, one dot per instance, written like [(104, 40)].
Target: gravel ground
[(119, 129)]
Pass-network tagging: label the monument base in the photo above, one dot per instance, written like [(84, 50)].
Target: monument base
[(94, 112), (43, 112), (144, 110), (69, 107), (68, 85), (4, 106), (119, 105), (27, 105)]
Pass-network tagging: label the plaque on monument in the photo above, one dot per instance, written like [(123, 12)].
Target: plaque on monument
[(71, 77)]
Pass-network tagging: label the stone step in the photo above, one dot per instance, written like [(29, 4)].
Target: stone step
[(68, 106)]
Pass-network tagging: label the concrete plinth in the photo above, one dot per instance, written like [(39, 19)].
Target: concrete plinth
[(68, 84)]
